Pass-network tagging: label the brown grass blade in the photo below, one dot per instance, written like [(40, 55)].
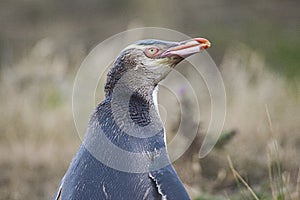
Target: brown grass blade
[(239, 177)]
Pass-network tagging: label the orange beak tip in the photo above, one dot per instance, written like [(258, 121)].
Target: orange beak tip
[(204, 42)]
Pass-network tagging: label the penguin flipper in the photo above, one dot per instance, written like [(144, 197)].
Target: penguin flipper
[(168, 184)]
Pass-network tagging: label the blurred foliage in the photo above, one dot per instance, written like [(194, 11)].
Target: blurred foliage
[(271, 26)]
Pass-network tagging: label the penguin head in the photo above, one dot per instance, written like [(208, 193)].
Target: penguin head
[(146, 62)]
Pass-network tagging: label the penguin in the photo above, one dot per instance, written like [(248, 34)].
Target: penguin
[(123, 154)]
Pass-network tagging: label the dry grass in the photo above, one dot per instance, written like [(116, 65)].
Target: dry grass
[(250, 86), (280, 185), (37, 138)]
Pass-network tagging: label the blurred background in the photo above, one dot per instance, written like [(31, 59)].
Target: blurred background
[(256, 45)]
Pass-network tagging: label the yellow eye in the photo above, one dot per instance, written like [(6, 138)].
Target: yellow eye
[(151, 52)]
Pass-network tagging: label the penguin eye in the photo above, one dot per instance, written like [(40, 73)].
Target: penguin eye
[(151, 52)]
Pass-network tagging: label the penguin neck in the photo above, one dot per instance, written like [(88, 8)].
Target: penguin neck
[(131, 128), (131, 118), (140, 104)]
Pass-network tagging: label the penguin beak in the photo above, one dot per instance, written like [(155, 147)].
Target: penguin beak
[(187, 48)]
